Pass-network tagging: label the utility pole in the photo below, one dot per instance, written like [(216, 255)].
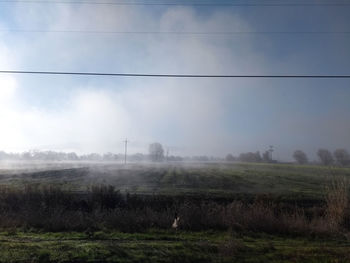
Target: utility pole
[(126, 149)]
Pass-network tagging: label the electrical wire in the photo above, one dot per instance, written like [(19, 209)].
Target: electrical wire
[(171, 75), (181, 32), (180, 4)]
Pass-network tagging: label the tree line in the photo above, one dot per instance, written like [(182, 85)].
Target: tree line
[(156, 153), (339, 157)]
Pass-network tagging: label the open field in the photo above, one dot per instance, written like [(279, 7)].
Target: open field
[(209, 178), (73, 212)]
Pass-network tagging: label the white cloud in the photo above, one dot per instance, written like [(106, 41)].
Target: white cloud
[(9, 128), (8, 88), (182, 112)]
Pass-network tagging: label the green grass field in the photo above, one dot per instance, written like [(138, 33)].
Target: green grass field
[(166, 246), (213, 179), (292, 182)]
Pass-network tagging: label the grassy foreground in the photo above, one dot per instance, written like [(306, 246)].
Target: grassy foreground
[(166, 246), (229, 213)]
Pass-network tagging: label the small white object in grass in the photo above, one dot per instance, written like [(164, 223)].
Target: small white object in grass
[(176, 223)]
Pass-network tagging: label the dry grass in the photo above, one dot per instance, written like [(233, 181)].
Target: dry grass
[(337, 202), (105, 208)]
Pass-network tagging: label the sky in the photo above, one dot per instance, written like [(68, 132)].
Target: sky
[(188, 116)]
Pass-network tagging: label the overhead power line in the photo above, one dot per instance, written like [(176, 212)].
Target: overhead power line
[(182, 32), (172, 75), (178, 4)]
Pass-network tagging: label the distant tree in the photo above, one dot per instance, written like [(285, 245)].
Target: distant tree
[(342, 157), (300, 157), (173, 158), (229, 158), (156, 152), (325, 156), (266, 157), (179, 159), (137, 157), (202, 158), (250, 157), (72, 156), (26, 156), (258, 157), (91, 157), (109, 157)]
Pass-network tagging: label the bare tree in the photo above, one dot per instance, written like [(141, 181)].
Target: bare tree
[(342, 157), (325, 156), (72, 156), (266, 157), (300, 157), (229, 158), (156, 152), (250, 157)]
